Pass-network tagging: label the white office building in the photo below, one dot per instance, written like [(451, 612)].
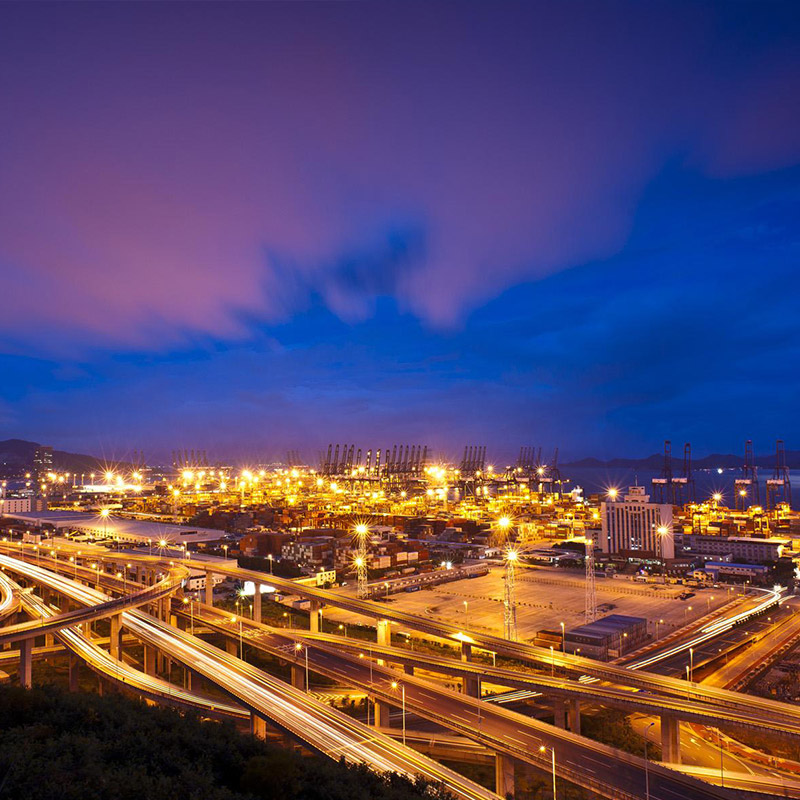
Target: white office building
[(635, 523), (14, 505)]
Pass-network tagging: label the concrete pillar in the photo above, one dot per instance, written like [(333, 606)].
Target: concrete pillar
[(504, 775), (315, 616), (149, 660), (26, 663), (209, 588), (257, 604), (381, 715), (115, 640), (408, 669), (74, 672), (559, 713), (258, 726), (232, 647), (384, 632), (299, 677), (670, 740), (574, 715), (470, 685), (195, 681), (49, 640)]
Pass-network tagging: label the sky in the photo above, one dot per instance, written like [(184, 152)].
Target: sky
[(249, 227)]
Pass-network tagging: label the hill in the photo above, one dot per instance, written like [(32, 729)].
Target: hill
[(16, 456), (60, 746)]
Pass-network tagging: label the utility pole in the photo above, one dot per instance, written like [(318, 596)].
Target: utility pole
[(361, 535), (591, 594), (509, 602)]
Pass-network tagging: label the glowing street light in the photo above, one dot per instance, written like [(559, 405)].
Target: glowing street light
[(552, 750), (402, 687)]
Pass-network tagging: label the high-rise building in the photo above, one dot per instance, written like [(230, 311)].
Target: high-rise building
[(42, 461), (635, 523)]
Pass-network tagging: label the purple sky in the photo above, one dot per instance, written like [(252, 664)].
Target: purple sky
[(189, 191)]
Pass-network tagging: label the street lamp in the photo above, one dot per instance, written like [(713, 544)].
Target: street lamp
[(552, 750), (190, 603), (241, 643), (403, 690), (270, 557), (563, 642), (646, 764), (691, 664)]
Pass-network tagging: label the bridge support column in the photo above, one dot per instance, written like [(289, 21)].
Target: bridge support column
[(258, 726), (115, 636), (381, 715), (74, 672), (470, 685), (315, 616), (670, 740), (209, 588), (149, 660), (298, 677), (49, 640), (559, 713), (257, 604), (26, 663), (574, 715), (408, 669), (384, 635), (504, 775), (384, 632)]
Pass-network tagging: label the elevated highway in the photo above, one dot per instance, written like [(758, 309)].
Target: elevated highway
[(310, 721)]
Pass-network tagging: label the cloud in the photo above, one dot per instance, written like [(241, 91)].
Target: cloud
[(150, 160)]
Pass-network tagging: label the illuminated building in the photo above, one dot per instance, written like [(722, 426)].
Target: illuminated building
[(637, 524)]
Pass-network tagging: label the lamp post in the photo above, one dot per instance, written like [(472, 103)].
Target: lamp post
[(241, 643), (190, 602), (563, 642), (691, 664), (646, 764), (270, 557), (552, 750), (402, 687)]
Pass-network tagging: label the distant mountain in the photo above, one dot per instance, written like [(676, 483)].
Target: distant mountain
[(655, 463), (16, 456)]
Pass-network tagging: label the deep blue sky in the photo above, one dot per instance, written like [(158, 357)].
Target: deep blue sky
[(248, 227)]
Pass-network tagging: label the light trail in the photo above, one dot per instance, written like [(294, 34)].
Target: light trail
[(323, 728), (772, 597), (101, 661), (8, 599)]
